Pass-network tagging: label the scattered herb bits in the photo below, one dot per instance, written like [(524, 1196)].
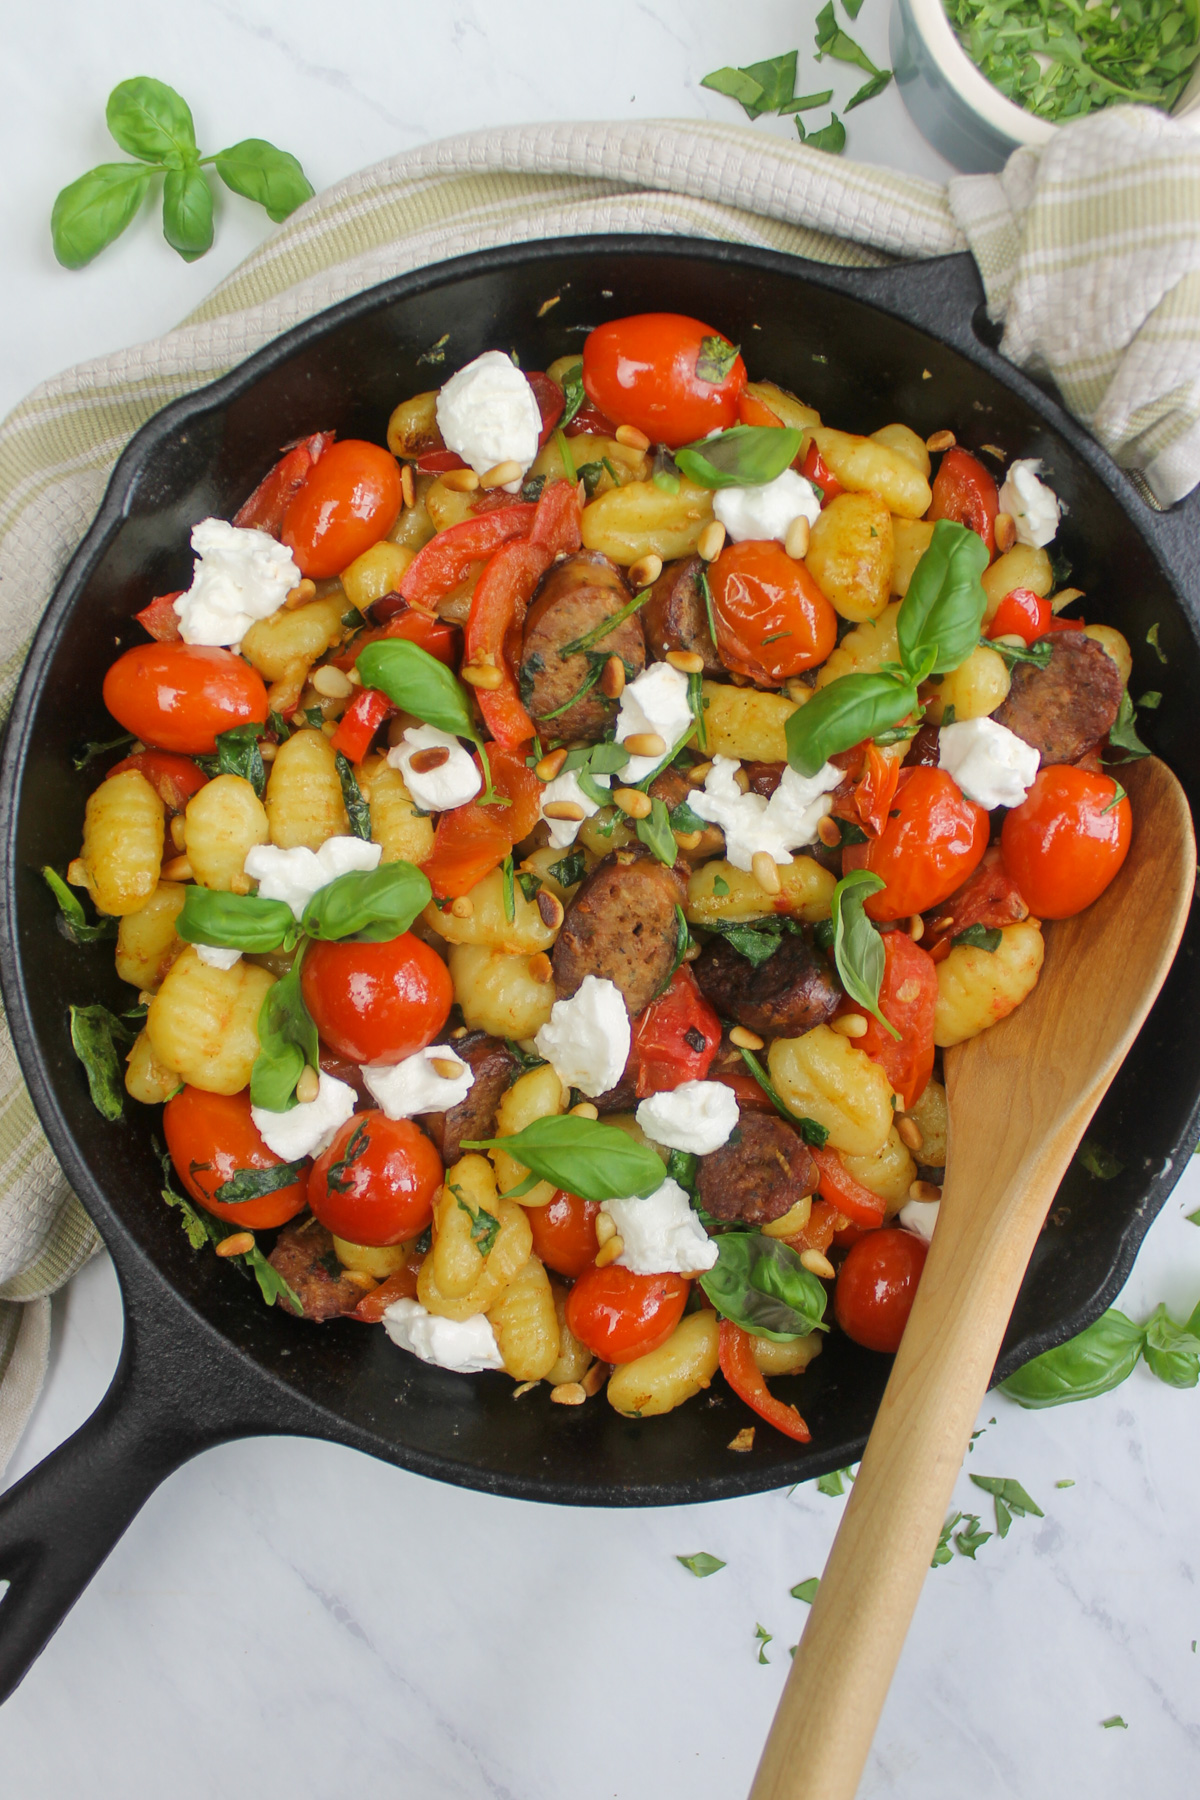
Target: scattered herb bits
[(806, 1590), (701, 1564)]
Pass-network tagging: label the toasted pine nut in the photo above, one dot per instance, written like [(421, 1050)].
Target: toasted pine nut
[(940, 440), (563, 809), (909, 1132), (612, 681), (463, 907), (829, 832), (595, 1379), (944, 923), (741, 780), (525, 1388), (241, 884), (711, 541), (625, 454), (358, 1278), (269, 752), (426, 760), (629, 434), (916, 928), (353, 677), (762, 865), (145, 997), (460, 481), (688, 662), (609, 1252), (178, 869), (541, 969), (744, 1439), (501, 475), (331, 682), (236, 1244), (460, 1031), (1063, 598), (924, 1190), (550, 909), (300, 595), (712, 839), (795, 689), (178, 831), (645, 570), (568, 1393), (745, 1039), (850, 1025), (1000, 455), (692, 952), (585, 1110), (309, 1085), (550, 765), (1006, 532), (408, 487), (792, 1221), (697, 774), (446, 1067), (625, 857), (645, 743), (605, 1227), (817, 1264), (633, 802), (796, 542), (688, 840), (907, 992), (1011, 639), (481, 675)]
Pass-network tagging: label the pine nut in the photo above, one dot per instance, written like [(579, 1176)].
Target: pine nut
[(178, 869), (446, 1067), (712, 839), (605, 1227), (525, 1388), (463, 907), (595, 1379), (300, 595), (645, 743), (916, 928), (460, 481), (633, 802), (796, 542), (358, 1278), (563, 809), (426, 760), (645, 571), (744, 1039), (612, 681), (269, 752), (308, 1086), (944, 923), (585, 1110), (1011, 639), (144, 997), (541, 969), (817, 1264), (550, 765), (850, 1025), (688, 662), (829, 832), (688, 840), (744, 1439), (624, 858), (625, 454), (550, 909), (460, 1031), (629, 434), (408, 487), (924, 1190), (762, 865), (179, 832), (1063, 598), (1000, 455), (331, 682), (909, 1132), (482, 675), (940, 440), (797, 690), (501, 475), (711, 541), (241, 884), (354, 678), (237, 1244), (568, 1393), (696, 774), (609, 1252), (741, 780), (691, 954), (1006, 532), (907, 992)]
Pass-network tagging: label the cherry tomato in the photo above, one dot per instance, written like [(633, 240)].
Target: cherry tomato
[(619, 1316), (376, 1002), (349, 500), (471, 841), (772, 619), (675, 1038), (642, 371), (989, 897), (1021, 614), (375, 1183), (179, 696), (934, 838), (908, 1000), (814, 468), (876, 1287), (211, 1137), (1066, 840), (870, 800), (174, 778), (564, 1233), (267, 506), (963, 490)]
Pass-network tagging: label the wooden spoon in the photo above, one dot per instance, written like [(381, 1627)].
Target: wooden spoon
[(1021, 1096)]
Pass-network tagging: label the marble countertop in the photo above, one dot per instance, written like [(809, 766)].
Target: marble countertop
[(289, 1618)]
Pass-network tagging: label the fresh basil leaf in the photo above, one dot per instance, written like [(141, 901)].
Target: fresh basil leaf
[(1094, 1362), (980, 937), (850, 709), (701, 1564), (806, 1590), (684, 819), (761, 1284), (714, 359), (1172, 1351), (683, 939), (582, 1156), (287, 1041), (738, 85), (96, 1037), (236, 921), (314, 717), (372, 906), (869, 89), (90, 213), (485, 1226), (655, 832), (571, 869), (743, 456), (682, 1166), (188, 212), (810, 1131), (337, 1178), (591, 474), (1152, 640), (1123, 733), (720, 885), (757, 939), (833, 1484), (529, 884), (272, 178), (1038, 654), (358, 813), (252, 1184), (944, 606), (1098, 1161), (72, 920), (238, 754), (1114, 1722), (271, 1284), (151, 121), (858, 950), (831, 138), (418, 683), (1011, 1495), (574, 392), (1151, 701)]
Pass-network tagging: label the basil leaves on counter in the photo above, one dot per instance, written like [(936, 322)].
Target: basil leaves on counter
[(287, 1041), (857, 946), (743, 456), (582, 1156), (1106, 1354), (761, 1284)]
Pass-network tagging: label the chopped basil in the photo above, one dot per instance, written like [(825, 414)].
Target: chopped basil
[(252, 1184), (1038, 654), (684, 819), (944, 1553), (574, 392), (701, 1564), (1116, 800), (757, 939), (1123, 733), (96, 1038), (564, 451), (1098, 1161), (702, 582), (591, 475), (681, 1167), (337, 1177), (715, 359), (1151, 701), (761, 87), (720, 886), (72, 920), (571, 869), (810, 1131), (980, 937), (1010, 1499), (970, 1538), (606, 625), (238, 754), (529, 884), (436, 353), (698, 704), (833, 1484), (760, 1283), (831, 138), (1152, 640), (357, 811), (806, 1590), (763, 1638), (485, 1226), (655, 832), (1115, 1722)]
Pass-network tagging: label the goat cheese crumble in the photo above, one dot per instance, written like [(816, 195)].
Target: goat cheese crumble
[(466, 1346), (991, 764), (455, 780), (697, 1116), (752, 823), (217, 956), (488, 415), (414, 1086), (240, 576), (563, 832), (296, 875), (768, 510), (920, 1217), (656, 700), (586, 1040), (1034, 508), (661, 1234), (311, 1125)]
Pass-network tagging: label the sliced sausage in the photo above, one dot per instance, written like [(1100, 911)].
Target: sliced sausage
[(791, 992), (495, 1068), (305, 1257), (759, 1175), (624, 1097), (577, 595), (1064, 709), (621, 927), (676, 617)]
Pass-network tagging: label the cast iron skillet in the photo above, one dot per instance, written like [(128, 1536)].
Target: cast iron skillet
[(203, 1360)]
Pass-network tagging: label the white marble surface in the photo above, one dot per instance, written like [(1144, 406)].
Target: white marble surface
[(291, 1619)]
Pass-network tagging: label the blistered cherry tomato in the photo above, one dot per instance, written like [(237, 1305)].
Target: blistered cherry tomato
[(375, 1183), (772, 619), (876, 1287), (934, 837), (179, 696), (376, 1003), (1021, 614), (564, 1233), (619, 1316), (211, 1137), (1067, 839), (964, 490), (350, 499), (642, 371), (675, 1038)]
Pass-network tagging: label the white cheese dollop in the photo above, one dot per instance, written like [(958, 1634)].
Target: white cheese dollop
[(697, 1116), (311, 1125), (296, 875), (452, 783), (586, 1040), (991, 764), (488, 415), (768, 510), (1034, 507), (752, 823), (661, 1234), (656, 700), (467, 1346), (240, 576), (920, 1216), (414, 1086), (563, 832), (217, 956)]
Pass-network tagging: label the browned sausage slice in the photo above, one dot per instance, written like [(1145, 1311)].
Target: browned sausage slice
[(791, 992), (1067, 707), (494, 1067), (305, 1257), (621, 927), (676, 616), (577, 595), (759, 1175)]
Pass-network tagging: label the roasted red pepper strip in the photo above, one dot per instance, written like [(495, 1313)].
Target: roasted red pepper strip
[(173, 777), (400, 1286), (838, 1186), (444, 561), (160, 619), (359, 723), (750, 1384), (1021, 614), (551, 402), (423, 628), (557, 524), (472, 840), (814, 468), (964, 490), (493, 634), (589, 421), (675, 1038), (439, 462), (265, 508), (908, 996)]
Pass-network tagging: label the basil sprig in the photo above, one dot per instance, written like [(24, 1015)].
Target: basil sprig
[(418, 683), (655, 832), (1106, 1354), (287, 1040), (743, 456), (236, 921), (358, 813), (97, 1038), (583, 1157), (857, 946), (238, 754), (252, 1184), (761, 1284), (72, 920), (372, 906)]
